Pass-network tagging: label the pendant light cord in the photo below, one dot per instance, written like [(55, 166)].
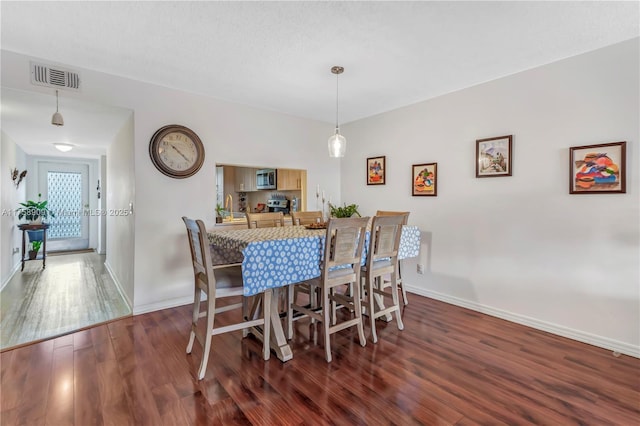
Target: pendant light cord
[(337, 75), (56, 100)]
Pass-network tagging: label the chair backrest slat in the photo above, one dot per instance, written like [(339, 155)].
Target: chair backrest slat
[(344, 242), (200, 254), (306, 218), (265, 220), (392, 213), (385, 238)]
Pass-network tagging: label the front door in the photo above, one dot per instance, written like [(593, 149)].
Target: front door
[(66, 187)]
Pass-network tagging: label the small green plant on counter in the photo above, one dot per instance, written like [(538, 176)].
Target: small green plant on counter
[(345, 211), (219, 213)]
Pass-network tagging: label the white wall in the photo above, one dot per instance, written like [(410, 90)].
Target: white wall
[(232, 134), (11, 156), (520, 247), (119, 191)]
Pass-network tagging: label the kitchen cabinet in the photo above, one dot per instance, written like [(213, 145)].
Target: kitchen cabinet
[(245, 179), (289, 179)]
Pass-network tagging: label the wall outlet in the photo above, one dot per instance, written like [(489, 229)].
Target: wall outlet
[(16, 250), (420, 268)]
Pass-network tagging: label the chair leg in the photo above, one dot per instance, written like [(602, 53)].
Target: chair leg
[(266, 333), (291, 298), (326, 308), (372, 307), (194, 319), (334, 308), (357, 307), (405, 300), (396, 302), (211, 312)]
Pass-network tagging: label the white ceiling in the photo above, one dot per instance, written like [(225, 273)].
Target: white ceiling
[(278, 55)]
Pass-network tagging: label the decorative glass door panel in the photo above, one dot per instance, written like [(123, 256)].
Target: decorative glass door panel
[(65, 197), (65, 187)]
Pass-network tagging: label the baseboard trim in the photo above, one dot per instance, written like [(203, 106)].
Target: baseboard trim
[(580, 336), (164, 304), (13, 272), (118, 285)]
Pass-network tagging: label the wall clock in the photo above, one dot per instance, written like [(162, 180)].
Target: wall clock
[(176, 151)]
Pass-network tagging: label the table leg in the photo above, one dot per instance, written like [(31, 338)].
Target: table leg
[(277, 341)]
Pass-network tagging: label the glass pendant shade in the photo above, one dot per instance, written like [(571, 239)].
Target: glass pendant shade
[(337, 145)]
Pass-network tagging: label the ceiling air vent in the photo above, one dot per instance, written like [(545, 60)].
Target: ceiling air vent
[(52, 76)]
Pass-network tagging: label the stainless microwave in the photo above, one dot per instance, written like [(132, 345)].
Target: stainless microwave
[(266, 179)]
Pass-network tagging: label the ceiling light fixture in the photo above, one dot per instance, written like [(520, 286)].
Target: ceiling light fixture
[(337, 142), (57, 119), (64, 147)]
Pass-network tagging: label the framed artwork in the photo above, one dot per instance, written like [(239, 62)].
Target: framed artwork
[(597, 169), (425, 179), (375, 170), (493, 156)]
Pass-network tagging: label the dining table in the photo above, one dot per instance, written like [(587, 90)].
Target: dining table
[(274, 258)]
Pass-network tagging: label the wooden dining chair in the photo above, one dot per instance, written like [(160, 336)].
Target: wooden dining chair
[(382, 260), (306, 218), (401, 287), (217, 282), (265, 220), (344, 242)]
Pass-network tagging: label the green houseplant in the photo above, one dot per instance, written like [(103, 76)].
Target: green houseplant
[(35, 211), (35, 248), (219, 213), (345, 211)]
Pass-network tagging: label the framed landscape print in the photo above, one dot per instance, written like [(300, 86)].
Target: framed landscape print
[(375, 170), (597, 169), (493, 156), (425, 179)]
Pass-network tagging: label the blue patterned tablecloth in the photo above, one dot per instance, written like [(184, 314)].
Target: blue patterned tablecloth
[(275, 257)]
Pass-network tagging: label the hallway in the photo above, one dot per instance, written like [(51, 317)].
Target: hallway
[(73, 292)]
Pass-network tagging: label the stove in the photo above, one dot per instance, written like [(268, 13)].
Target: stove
[(278, 205)]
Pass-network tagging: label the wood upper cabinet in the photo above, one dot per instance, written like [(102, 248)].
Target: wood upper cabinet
[(245, 179), (288, 179)]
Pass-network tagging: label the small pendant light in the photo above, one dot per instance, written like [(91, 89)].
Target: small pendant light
[(57, 119), (337, 142)]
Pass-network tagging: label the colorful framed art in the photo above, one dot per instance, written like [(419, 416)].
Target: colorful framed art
[(376, 170), (425, 179), (598, 169), (493, 156)]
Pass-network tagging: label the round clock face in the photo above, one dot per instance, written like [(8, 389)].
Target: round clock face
[(176, 151)]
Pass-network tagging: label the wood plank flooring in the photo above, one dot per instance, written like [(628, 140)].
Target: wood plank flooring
[(73, 292), (450, 366)]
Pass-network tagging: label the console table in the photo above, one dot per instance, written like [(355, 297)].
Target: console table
[(29, 227)]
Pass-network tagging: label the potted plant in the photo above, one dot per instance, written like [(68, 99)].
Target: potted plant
[(219, 213), (35, 247), (345, 211), (35, 211)]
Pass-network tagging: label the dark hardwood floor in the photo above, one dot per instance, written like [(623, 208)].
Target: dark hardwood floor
[(449, 366)]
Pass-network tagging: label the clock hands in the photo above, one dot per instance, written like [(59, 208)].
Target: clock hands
[(179, 152)]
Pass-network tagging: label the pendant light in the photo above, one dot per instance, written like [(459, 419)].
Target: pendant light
[(57, 120), (337, 142)]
